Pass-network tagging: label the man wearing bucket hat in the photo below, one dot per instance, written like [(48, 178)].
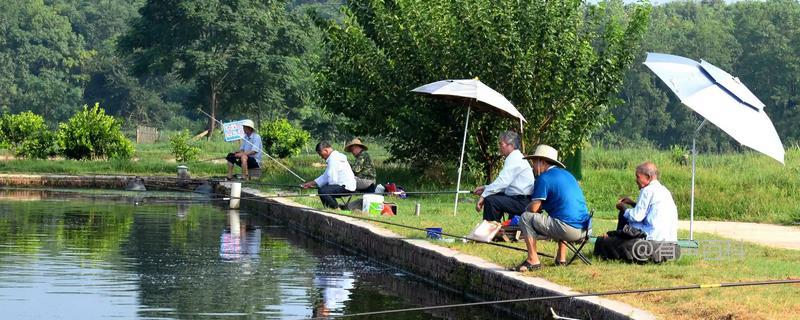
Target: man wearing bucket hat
[(363, 168), (510, 191), (249, 154), (557, 192)]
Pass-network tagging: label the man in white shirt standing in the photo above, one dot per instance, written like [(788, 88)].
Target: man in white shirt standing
[(511, 190), (655, 213), (338, 178)]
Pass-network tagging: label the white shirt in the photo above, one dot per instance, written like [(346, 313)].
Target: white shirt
[(655, 213), (338, 172), (515, 179)]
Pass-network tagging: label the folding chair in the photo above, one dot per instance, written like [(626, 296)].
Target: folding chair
[(508, 234), (352, 205), (344, 203), (577, 246)]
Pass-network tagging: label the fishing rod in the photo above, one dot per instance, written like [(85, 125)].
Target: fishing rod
[(268, 184), (258, 149), (210, 159), (264, 200), (591, 294), (313, 195)]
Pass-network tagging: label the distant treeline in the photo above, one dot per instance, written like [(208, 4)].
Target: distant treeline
[(757, 41), (58, 55)]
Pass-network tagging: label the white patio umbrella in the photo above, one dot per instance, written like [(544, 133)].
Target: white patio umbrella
[(721, 99), (476, 95)]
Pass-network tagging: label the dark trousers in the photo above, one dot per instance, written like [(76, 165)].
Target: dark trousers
[(330, 201), (621, 220), (251, 162), (495, 205)]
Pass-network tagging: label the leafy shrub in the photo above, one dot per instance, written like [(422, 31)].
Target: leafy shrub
[(182, 149), (40, 145), (281, 139), (92, 134), (26, 135), (679, 155)]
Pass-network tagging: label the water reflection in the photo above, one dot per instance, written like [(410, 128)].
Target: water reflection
[(96, 259), (335, 291), (239, 241)]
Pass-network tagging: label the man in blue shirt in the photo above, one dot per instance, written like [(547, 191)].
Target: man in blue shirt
[(249, 154), (557, 192)]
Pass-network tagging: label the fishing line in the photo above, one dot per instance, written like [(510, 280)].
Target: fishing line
[(265, 198), (259, 149), (594, 294)]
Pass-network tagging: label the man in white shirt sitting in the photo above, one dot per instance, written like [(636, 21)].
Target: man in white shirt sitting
[(511, 190), (655, 213), (338, 178)]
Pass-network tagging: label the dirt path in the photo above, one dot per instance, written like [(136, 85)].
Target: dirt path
[(776, 236)]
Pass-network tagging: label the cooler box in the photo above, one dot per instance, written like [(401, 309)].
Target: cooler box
[(372, 203)]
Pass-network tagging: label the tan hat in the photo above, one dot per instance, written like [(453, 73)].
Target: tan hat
[(354, 142), (546, 152), (248, 123)]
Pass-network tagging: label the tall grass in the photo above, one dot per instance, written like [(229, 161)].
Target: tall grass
[(735, 187)]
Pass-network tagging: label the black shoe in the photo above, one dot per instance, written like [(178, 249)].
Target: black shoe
[(528, 266)]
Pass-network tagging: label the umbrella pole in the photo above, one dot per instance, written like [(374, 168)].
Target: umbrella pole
[(461, 161), (694, 169), (522, 136)]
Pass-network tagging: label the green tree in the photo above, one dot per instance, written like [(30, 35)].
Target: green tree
[(182, 147), (91, 134), (40, 60), (559, 62), (233, 49), (756, 41), (651, 113), (770, 61), (149, 100), (282, 139), (27, 135)]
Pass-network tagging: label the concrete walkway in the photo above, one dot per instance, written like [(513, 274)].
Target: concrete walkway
[(776, 236)]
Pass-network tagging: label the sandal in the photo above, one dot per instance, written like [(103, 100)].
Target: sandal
[(561, 263), (528, 266)]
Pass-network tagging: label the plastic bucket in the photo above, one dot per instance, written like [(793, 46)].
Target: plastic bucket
[(372, 202), (434, 233)]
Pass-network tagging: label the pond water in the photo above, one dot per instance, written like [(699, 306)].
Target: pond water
[(100, 254)]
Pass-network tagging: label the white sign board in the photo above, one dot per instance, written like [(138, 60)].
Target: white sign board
[(233, 130)]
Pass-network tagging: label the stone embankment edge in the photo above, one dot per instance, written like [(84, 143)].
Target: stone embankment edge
[(468, 274)]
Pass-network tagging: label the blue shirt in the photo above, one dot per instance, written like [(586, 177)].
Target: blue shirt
[(562, 197), (253, 143)]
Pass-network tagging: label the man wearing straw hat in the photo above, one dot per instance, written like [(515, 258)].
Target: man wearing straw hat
[(338, 178), (510, 191), (557, 192), (249, 154), (362, 167)]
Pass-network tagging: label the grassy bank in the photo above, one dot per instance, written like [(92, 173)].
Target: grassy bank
[(739, 187), (717, 260), (732, 187)]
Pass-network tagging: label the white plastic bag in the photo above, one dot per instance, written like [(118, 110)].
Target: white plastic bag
[(485, 231)]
